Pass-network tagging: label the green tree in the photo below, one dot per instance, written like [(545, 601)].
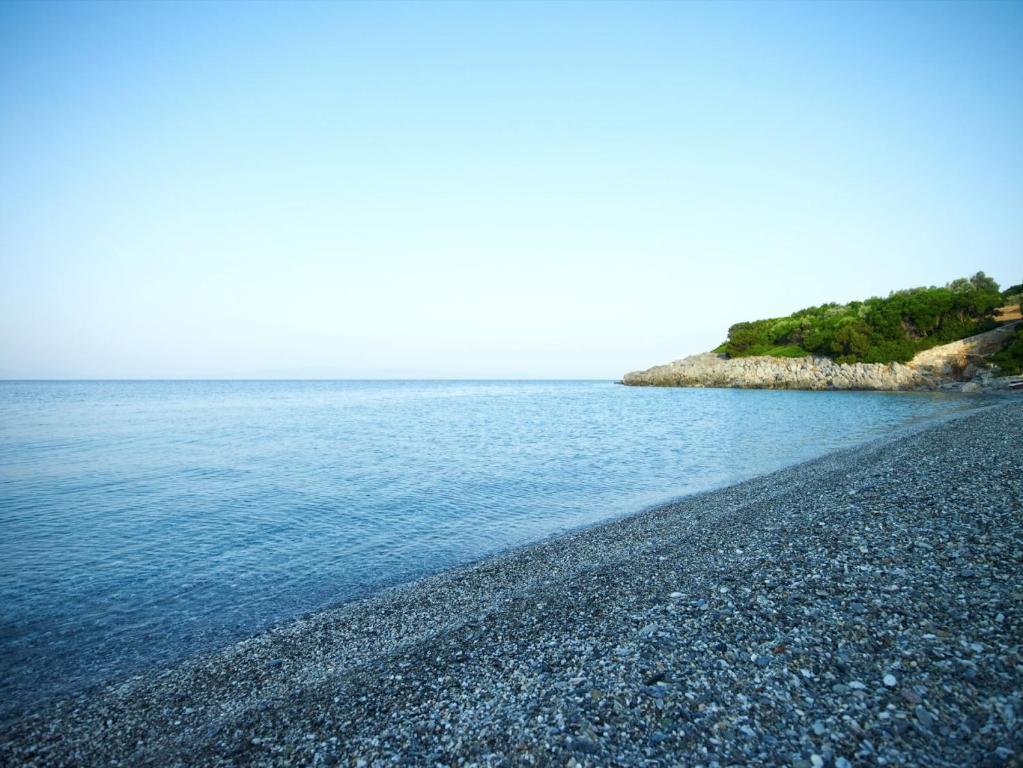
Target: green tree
[(877, 329)]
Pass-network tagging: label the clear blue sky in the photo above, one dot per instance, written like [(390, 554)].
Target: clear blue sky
[(523, 190)]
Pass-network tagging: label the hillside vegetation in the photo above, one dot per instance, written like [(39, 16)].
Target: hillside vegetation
[(1010, 358), (877, 330)]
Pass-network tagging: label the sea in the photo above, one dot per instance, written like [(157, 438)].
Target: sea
[(142, 522)]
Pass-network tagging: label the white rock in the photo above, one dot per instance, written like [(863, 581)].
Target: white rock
[(890, 680)]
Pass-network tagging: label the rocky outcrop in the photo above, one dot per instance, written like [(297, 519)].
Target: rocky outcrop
[(710, 370), (964, 358), (956, 366)]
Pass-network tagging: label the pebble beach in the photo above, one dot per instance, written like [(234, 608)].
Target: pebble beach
[(865, 608)]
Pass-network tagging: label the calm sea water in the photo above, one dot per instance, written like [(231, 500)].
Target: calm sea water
[(144, 521)]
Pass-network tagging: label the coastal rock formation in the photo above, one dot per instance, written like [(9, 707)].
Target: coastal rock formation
[(959, 365), (710, 370), (954, 360)]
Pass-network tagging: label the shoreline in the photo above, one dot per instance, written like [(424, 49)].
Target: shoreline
[(10, 713), (585, 645)]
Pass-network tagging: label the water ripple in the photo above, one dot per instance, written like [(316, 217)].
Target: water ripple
[(144, 521)]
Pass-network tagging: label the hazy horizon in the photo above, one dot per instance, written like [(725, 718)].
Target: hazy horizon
[(484, 191)]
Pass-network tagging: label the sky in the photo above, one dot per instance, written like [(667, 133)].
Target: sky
[(458, 190)]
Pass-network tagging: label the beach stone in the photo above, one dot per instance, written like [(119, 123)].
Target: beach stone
[(584, 745)]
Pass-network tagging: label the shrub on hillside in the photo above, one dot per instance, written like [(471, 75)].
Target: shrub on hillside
[(1013, 295), (1010, 358), (878, 330)]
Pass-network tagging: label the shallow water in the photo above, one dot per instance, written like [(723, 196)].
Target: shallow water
[(144, 521)]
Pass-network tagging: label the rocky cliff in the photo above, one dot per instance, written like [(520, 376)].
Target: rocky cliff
[(956, 366)]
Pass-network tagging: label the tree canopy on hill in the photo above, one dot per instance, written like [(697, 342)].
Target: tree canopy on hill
[(1013, 294), (878, 330)]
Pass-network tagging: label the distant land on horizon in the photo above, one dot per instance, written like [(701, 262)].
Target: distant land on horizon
[(877, 330), (964, 336)]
